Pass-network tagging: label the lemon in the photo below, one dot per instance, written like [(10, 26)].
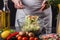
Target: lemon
[(5, 34)]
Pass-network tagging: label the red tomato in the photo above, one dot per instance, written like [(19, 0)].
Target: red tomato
[(19, 38), (31, 38), (36, 38), (24, 38)]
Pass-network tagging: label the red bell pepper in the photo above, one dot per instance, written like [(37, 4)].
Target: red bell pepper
[(11, 35)]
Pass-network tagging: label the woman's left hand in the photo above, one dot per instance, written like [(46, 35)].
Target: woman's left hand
[(43, 6)]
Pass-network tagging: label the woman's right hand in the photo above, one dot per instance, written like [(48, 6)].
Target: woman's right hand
[(18, 4)]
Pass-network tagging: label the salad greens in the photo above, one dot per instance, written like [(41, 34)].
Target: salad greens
[(31, 23)]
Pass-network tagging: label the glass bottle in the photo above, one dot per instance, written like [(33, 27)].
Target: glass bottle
[(0, 20), (5, 19)]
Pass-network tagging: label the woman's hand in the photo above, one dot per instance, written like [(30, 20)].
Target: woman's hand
[(43, 6), (18, 4)]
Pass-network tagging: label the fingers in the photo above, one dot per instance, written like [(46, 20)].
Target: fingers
[(42, 8), (19, 5)]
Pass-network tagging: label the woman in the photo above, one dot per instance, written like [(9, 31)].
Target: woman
[(33, 7)]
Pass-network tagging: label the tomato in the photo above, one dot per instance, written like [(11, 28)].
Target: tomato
[(19, 38), (31, 38), (36, 38), (24, 38)]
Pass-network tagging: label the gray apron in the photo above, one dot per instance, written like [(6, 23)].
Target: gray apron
[(32, 7)]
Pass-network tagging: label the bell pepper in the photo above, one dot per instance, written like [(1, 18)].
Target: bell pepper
[(12, 35)]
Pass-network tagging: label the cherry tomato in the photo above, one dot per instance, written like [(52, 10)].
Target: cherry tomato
[(19, 38), (36, 38), (24, 38), (31, 38)]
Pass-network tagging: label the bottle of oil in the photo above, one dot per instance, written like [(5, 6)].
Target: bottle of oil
[(5, 18), (0, 20)]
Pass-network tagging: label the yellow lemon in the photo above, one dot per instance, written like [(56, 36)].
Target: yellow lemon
[(5, 34)]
